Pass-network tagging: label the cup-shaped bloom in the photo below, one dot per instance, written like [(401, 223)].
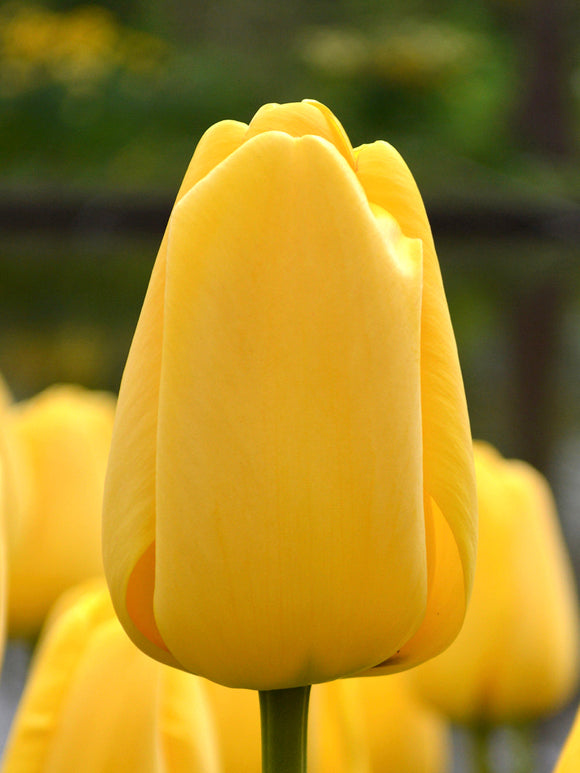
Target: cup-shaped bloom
[(291, 448), (516, 656), (94, 702), (60, 441), (569, 760), (401, 732), (337, 738)]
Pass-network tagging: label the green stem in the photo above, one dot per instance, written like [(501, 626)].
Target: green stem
[(481, 749), (284, 715), (522, 742)]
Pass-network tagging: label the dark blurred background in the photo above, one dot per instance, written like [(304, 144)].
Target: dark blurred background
[(101, 107)]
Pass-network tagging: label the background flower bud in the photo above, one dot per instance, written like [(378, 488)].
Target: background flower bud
[(59, 442), (94, 702), (516, 656)]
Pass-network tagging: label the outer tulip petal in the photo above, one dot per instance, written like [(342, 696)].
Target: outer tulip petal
[(216, 144), (286, 443), (450, 500), (129, 513)]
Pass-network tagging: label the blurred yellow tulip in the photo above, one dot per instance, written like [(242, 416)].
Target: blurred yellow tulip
[(338, 743), (569, 760), (4, 402), (402, 733), (58, 443), (94, 703), (517, 655), (292, 447)]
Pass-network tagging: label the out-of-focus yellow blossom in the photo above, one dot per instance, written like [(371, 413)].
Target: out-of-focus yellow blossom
[(402, 733), (423, 54), (5, 399), (337, 742), (569, 760), (58, 444), (94, 703), (335, 51), (290, 496), (516, 656), (77, 48), (412, 56)]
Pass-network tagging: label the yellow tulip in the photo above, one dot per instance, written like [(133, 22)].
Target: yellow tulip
[(569, 760), (94, 703), (292, 448), (402, 733), (517, 654), (60, 441), (4, 402), (338, 743)]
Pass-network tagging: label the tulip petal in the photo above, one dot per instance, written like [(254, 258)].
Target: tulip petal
[(129, 498), (216, 144), (301, 118), (447, 450), (129, 506), (289, 424), (64, 646)]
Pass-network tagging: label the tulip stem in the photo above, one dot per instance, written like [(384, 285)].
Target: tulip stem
[(284, 716), (523, 749), (481, 735)]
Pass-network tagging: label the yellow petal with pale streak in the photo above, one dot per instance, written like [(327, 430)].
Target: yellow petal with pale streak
[(289, 483), (450, 501), (129, 505), (63, 646)]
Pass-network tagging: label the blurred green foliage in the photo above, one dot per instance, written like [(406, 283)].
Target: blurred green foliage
[(114, 97), (118, 93)]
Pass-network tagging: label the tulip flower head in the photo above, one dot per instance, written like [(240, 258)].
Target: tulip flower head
[(290, 493), (516, 657), (59, 443), (94, 702)]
